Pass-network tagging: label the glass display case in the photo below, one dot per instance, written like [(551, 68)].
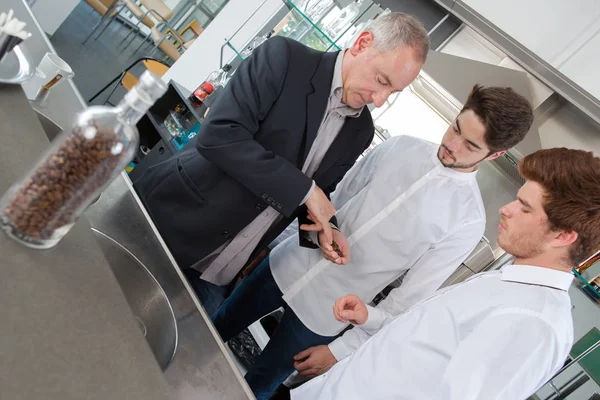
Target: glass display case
[(325, 25), (321, 24)]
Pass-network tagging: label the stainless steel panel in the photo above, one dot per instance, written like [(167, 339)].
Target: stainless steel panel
[(500, 261), (146, 298), (496, 191), (459, 275), (480, 257), (447, 3), (201, 368)]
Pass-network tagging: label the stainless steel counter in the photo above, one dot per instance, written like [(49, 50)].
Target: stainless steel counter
[(66, 330), (201, 368)]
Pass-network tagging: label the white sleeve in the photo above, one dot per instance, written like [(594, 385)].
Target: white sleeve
[(422, 280), (507, 356), (290, 230), (360, 174)]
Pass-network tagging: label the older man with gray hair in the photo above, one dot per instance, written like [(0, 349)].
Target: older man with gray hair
[(384, 59), (287, 127)]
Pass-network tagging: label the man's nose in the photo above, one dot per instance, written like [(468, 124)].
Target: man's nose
[(506, 210), (454, 144), (381, 96), (378, 99)]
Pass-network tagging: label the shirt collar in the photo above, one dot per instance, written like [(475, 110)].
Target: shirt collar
[(449, 172), (336, 91), (537, 276)]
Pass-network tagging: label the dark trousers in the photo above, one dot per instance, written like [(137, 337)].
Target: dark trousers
[(210, 295), (257, 296)]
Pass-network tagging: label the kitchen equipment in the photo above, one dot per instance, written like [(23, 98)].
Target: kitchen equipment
[(51, 71), (11, 38)]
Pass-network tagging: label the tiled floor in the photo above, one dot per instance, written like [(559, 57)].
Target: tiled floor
[(98, 61)]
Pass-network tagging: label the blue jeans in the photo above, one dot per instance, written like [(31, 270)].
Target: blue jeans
[(257, 296), (210, 295)]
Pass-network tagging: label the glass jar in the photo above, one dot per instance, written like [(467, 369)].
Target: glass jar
[(40, 209)]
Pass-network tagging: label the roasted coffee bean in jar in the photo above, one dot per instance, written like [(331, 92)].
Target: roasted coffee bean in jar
[(40, 210), (63, 184)]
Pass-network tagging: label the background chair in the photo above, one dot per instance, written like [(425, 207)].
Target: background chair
[(180, 40), (168, 48), (193, 26), (170, 43), (137, 12), (127, 79), (101, 6), (155, 9)]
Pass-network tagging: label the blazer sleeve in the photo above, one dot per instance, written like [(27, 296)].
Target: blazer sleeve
[(227, 135)]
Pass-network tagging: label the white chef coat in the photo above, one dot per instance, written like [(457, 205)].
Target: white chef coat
[(498, 335), (400, 209)]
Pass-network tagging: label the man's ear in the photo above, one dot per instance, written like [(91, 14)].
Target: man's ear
[(362, 42), (564, 238), (495, 155)]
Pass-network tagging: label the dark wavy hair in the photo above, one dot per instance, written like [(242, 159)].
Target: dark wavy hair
[(506, 115)]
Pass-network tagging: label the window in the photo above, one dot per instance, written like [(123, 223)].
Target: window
[(405, 113), (204, 12)]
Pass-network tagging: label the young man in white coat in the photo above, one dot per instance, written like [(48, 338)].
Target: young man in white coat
[(500, 334), (409, 205)]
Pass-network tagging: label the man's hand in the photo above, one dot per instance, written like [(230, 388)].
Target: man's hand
[(322, 210), (329, 253), (350, 308), (314, 361)]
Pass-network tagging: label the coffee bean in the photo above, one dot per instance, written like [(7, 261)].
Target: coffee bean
[(336, 248), (57, 191)]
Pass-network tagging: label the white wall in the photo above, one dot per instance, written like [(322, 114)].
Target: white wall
[(566, 34), (52, 13), (547, 27), (405, 113), (583, 66), (203, 57)]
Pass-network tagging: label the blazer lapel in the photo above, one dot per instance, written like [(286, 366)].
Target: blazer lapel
[(316, 101), (345, 140)]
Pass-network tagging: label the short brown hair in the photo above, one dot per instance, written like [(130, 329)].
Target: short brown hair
[(571, 181), (506, 115)]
